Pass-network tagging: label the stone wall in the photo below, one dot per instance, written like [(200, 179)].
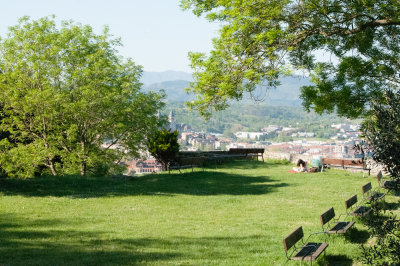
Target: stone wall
[(287, 156)]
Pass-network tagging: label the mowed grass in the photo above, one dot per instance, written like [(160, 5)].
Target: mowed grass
[(235, 214)]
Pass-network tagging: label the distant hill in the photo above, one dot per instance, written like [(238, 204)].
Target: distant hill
[(175, 90), (158, 77), (287, 94), (174, 83)]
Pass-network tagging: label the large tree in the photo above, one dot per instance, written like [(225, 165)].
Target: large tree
[(67, 90), (349, 48), (381, 130)]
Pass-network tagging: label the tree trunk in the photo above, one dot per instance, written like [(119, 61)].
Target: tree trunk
[(83, 167), (51, 166), (83, 159)]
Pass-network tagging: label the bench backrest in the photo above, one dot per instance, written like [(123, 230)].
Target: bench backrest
[(237, 151), (367, 187), (327, 216), (246, 150), (353, 162), (332, 161), (350, 202), (293, 238), (342, 162)]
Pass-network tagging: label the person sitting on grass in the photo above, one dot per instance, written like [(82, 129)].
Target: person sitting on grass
[(301, 166)]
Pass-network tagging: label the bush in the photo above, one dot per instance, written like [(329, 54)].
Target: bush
[(163, 145), (386, 230)]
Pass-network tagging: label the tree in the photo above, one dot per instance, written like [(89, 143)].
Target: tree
[(382, 132), (163, 145), (350, 49), (67, 89)]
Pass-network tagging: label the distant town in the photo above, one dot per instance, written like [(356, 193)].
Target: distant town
[(340, 145)]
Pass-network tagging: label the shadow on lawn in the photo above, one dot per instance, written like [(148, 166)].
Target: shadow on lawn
[(391, 205), (197, 183), (245, 164), (336, 260), (26, 242), (357, 236)]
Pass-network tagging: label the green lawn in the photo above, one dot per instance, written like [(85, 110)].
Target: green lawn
[(237, 214)]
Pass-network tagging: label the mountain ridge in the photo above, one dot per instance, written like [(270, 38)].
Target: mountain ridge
[(175, 82)]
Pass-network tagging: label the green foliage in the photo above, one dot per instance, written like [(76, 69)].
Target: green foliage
[(350, 49), (163, 145), (67, 90), (382, 132), (386, 230)]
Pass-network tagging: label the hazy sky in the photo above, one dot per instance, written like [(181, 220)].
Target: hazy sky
[(156, 34)]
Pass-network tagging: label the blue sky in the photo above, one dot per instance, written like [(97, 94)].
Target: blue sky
[(156, 34)]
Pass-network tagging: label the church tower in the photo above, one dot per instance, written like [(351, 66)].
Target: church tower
[(171, 120)]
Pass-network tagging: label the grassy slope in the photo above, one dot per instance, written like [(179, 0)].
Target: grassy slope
[(234, 215)]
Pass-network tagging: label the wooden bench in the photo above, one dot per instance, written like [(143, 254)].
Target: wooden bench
[(345, 164), (371, 195), (354, 210), (334, 226), (247, 152), (187, 162), (306, 251), (386, 184)]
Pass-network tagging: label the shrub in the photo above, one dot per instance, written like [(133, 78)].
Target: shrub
[(163, 145), (386, 229)]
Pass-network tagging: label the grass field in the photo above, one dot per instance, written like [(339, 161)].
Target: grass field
[(234, 215)]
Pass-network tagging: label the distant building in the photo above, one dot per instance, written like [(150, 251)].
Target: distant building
[(271, 129), (138, 166), (249, 135), (341, 149)]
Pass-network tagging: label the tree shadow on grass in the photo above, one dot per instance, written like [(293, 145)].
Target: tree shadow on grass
[(391, 206), (357, 236), (197, 183), (244, 164), (28, 242), (341, 260)]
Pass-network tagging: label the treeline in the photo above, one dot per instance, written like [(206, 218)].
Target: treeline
[(254, 117)]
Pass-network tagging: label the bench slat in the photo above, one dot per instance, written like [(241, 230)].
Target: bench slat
[(293, 238), (361, 211), (310, 251), (367, 187), (327, 216), (350, 202), (341, 227), (376, 196)]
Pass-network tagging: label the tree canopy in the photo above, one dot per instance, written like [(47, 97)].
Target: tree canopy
[(163, 145), (350, 49), (70, 103)]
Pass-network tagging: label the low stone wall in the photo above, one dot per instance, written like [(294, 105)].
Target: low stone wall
[(287, 156)]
